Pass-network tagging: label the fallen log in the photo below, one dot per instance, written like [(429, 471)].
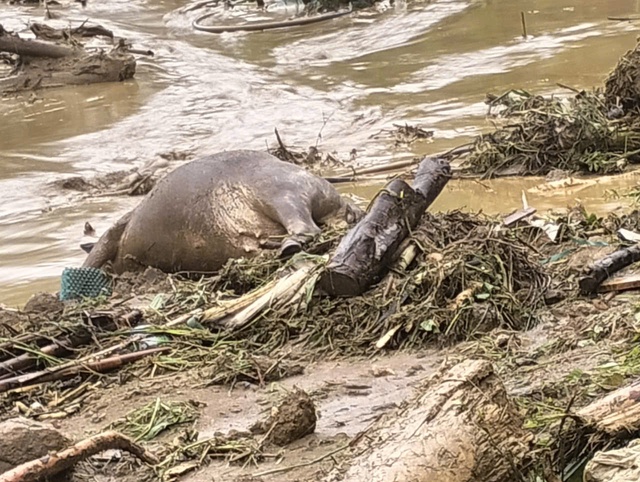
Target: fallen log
[(45, 32), (369, 247), (615, 415), (99, 67), (50, 465), (33, 48), (47, 65), (605, 267), (461, 427)]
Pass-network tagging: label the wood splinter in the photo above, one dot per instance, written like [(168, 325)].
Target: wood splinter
[(50, 465)]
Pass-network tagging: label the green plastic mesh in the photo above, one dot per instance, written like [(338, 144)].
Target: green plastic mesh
[(78, 283)]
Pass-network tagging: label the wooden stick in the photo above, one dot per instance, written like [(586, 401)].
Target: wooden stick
[(258, 26), (57, 348), (50, 465), (393, 166), (99, 366), (32, 378), (524, 25)]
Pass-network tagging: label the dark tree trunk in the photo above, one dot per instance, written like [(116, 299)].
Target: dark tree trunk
[(367, 250), (33, 48), (602, 269)]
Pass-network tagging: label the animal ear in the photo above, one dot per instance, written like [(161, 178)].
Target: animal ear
[(88, 229), (87, 247)]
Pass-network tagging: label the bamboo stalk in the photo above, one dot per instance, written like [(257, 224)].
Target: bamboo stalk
[(40, 376), (99, 366), (30, 358)]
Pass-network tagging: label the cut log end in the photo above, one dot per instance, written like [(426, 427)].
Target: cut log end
[(365, 253), (340, 284)]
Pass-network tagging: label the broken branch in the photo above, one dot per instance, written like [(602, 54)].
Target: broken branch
[(50, 465)]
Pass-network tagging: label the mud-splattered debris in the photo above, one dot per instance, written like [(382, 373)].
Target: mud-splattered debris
[(44, 303), (379, 372), (23, 440), (293, 419)]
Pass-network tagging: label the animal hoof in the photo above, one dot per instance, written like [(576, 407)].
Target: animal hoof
[(289, 248)]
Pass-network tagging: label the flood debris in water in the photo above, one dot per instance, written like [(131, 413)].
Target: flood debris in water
[(591, 131), (134, 182), (405, 134), (312, 159), (45, 32), (38, 65)]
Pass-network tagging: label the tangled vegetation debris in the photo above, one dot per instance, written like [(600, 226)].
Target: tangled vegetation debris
[(591, 131), (574, 133), (147, 422)]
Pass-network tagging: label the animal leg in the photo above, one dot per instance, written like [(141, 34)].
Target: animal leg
[(106, 248), (297, 221)]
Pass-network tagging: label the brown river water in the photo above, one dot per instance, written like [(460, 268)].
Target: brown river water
[(420, 62)]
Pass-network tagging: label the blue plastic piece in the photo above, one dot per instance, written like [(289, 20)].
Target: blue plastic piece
[(78, 283)]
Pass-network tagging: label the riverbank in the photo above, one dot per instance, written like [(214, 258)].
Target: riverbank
[(478, 291)]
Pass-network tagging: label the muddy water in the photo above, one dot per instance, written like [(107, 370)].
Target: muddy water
[(339, 84)]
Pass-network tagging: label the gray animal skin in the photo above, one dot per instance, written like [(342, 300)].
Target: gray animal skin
[(228, 205)]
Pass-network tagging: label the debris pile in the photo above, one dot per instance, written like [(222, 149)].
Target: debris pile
[(591, 131), (62, 59)]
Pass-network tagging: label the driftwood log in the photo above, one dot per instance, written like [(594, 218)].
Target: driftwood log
[(44, 32), (368, 248), (605, 267), (33, 48), (461, 427), (615, 415), (46, 65), (50, 465)]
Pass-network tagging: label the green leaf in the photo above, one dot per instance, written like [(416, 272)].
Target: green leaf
[(430, 326)]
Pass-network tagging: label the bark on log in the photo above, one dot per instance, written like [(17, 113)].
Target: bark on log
[(602, 269), (50, 465), (461, 428), (33, 48), (368, 248), (617, 414)]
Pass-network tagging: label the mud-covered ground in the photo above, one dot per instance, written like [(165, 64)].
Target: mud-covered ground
[(564, 354)]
